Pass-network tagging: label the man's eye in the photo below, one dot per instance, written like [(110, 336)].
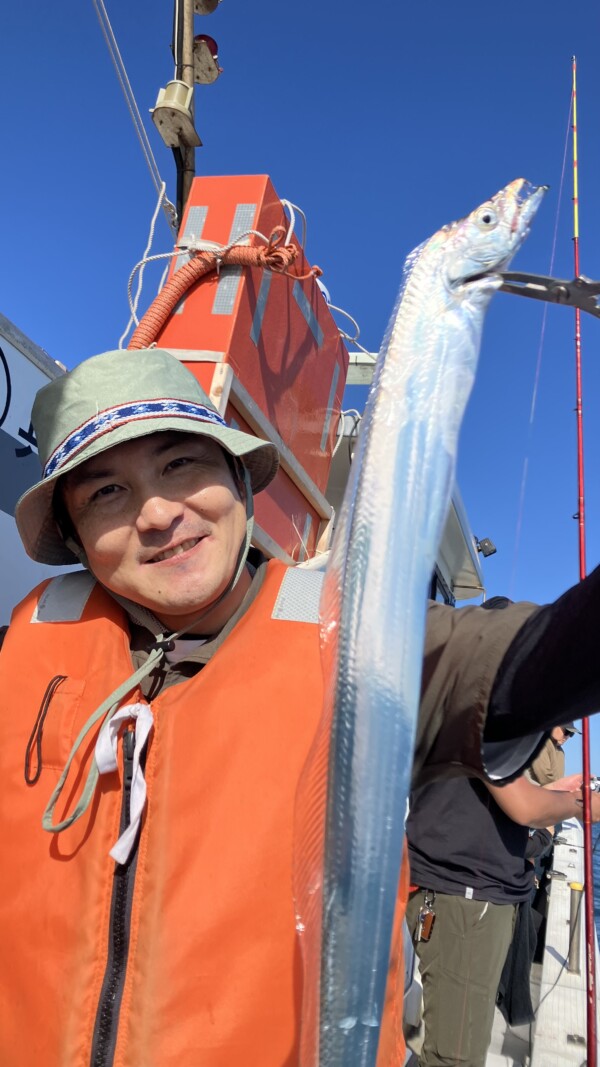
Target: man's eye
[(181, 461), (105, 490)]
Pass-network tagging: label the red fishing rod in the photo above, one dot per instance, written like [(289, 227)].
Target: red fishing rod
[(590, 933)]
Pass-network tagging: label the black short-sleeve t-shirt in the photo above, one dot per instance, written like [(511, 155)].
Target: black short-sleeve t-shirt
[(460, 842)]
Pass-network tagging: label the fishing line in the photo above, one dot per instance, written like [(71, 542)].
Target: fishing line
[(532, 410), (590, 933), (134, 111)]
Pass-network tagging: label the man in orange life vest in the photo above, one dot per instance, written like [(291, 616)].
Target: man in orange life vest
[(158, 708)]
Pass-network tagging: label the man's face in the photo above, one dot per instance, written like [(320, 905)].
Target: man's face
[(560, 735), (161, 522)]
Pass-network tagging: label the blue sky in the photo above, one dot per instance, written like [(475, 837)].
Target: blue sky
[(382, 122)]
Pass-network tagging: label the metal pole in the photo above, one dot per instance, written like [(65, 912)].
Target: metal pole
[(574, 959), (185, 158), (590, 933), (187, 75)]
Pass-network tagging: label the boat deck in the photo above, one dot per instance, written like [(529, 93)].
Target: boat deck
[(557, 1037)]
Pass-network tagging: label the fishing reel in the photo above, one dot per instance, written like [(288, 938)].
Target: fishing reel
[(594, 783)]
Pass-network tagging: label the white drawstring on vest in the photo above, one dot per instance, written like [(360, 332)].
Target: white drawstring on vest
[(106, 761)]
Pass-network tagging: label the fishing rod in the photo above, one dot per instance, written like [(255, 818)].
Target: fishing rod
[(590, 937), (583, 295)]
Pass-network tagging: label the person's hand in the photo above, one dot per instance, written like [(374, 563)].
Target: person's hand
[(595, 807), (570, 784)]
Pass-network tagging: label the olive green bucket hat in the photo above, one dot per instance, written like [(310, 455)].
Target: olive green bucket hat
[(112, 398)]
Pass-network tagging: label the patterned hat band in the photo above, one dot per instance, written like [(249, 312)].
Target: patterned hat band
[(111, 418)]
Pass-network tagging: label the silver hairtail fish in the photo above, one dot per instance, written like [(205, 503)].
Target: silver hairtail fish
[(352, 798)]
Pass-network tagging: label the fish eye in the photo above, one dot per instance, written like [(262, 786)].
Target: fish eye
[(487, 218)]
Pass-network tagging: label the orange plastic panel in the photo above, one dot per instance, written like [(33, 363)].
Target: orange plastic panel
[(275, 332), (283, 511)]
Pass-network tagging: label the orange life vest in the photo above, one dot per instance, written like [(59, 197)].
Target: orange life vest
[(213, 969)]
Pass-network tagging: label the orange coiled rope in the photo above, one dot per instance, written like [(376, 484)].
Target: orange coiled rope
[(272, 257)]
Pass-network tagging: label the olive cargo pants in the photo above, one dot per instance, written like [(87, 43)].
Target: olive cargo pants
[(460, 969)]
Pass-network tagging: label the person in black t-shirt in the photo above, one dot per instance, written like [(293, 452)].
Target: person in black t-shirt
[(466, 846)]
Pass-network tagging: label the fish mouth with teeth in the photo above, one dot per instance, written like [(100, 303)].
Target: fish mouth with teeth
[(176, 550)]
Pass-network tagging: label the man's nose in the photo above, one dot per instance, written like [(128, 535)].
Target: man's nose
[(157, 513)]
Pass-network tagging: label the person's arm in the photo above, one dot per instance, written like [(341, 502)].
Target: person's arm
[(530, 805), (464, 648), (549, 674), (570, 784), (539, 842), (494, 682)]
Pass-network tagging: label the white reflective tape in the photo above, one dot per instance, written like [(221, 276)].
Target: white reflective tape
[(106, 761), (298, 596), (308, 314), (193, 231), (64, 599), (229, 277), (330, 409), (261, 306)]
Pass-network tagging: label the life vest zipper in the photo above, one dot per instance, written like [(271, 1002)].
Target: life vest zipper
[(106, 1026)]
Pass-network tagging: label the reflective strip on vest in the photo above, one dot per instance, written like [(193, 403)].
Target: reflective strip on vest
[(298, 597), (65, 598)]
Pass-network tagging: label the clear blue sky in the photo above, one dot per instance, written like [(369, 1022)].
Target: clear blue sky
[(382, 121)]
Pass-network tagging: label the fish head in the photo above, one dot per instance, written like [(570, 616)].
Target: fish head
[(477, 247)]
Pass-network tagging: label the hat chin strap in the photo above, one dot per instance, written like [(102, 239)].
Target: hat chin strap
[(109, 707)]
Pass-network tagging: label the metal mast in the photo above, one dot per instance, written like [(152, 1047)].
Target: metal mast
[(183, 43), (195, 62)]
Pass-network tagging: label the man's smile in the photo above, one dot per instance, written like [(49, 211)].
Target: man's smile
[(176, 550)]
